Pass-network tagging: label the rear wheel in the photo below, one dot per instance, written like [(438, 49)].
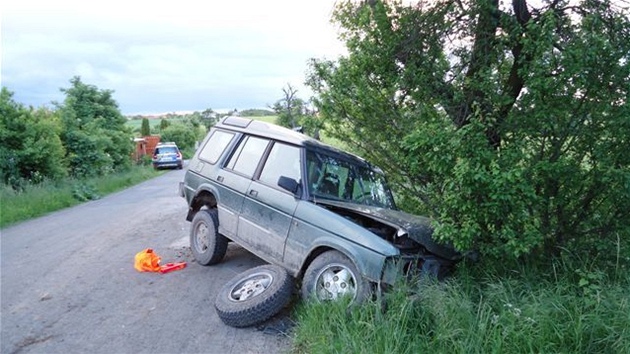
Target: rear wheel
[(332, 276), (206, 244)]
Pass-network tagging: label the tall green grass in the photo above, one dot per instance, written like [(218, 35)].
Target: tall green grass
[(522, 313), (38, 199)]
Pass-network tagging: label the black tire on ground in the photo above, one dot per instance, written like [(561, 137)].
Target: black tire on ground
[(332, 276), (207, 245), (254, 296)]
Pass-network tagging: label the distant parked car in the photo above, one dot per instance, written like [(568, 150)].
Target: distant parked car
[(167, 155)]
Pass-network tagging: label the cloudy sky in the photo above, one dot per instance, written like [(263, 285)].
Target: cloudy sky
[(165, 56)]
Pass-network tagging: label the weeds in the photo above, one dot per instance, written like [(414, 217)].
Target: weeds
[(34, 200), (526, 312)]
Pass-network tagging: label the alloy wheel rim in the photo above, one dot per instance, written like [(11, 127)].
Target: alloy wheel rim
[(334, 282), (250, 287)]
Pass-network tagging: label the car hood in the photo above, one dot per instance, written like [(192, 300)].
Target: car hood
[(418, 228)]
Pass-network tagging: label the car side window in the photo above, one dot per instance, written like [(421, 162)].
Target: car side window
[(215, 146), (283, 160), (247, 156)]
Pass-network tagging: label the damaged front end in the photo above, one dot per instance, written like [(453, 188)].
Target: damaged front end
[(419, 253)]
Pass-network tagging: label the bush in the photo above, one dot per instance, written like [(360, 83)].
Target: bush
[(94, 132), (30, 148), (185, 136)]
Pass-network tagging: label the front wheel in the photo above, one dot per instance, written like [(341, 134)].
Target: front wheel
[(208, 246), (332, 276)]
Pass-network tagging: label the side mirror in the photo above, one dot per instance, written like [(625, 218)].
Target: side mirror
[(288, 184)]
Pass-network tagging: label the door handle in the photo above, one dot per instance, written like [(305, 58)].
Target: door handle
[(253, 193), (220, 178)]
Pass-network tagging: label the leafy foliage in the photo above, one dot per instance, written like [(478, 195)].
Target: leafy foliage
[(252, 112), (164, 124), (30, 148), (184, 135), (84, 192), (507, 125), (94, 133), (208, 117), (293, 112), (145, 128)]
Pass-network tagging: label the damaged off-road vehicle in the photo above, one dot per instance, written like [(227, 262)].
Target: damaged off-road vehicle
[(326, 216)]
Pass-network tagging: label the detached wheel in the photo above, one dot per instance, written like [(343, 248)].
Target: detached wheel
[(333, 276), (254, 296), (207, 245)]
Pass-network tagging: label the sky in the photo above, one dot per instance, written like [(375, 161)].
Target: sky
[(165, 56)]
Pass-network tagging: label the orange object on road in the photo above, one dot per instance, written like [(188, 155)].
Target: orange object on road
[(147, 261), (169, 267)]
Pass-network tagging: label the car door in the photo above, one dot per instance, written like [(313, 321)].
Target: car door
[(267, 210), (235, 178), (205, 170)]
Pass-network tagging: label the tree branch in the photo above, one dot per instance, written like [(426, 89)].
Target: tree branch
[(480, 59)]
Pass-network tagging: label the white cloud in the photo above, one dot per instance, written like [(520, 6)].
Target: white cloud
[(165, 56)]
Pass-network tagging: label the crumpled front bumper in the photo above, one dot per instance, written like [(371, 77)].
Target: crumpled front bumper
[(406, 266)]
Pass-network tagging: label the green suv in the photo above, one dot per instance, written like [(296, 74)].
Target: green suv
[(325, 216)]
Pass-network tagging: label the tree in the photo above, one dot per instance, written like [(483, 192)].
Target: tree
[(289, 108), (164, 124), (509, 123), (30, 148), (94, 133), (208, 118), (145, 128), (185, 136), (293, 112)]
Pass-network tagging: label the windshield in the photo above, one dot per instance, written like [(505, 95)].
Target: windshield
[(163, 150), (330, 177)]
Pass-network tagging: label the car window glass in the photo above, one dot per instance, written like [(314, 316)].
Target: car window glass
[(237, 152), (283, 160), (166, 150), (341, 179), (246, 158), (215, 146)]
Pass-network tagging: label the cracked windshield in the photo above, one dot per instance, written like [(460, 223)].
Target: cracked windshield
[(333, 178)]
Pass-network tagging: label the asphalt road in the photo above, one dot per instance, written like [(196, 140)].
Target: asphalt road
[(68, 284)]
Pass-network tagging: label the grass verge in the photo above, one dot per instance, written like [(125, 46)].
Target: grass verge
[(40, 199), (524, 313)]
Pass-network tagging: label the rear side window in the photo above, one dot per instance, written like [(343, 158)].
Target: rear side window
[(247, 156), (215, 146)]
